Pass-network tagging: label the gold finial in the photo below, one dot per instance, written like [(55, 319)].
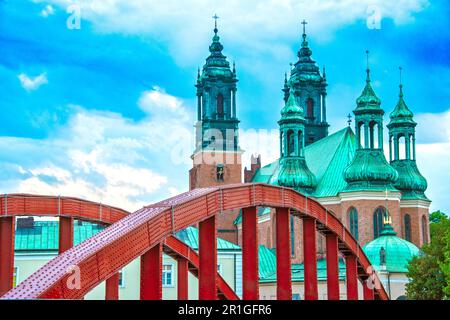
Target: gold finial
[(387, 219)]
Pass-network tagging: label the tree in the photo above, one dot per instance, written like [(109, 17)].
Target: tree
[(429, 273)]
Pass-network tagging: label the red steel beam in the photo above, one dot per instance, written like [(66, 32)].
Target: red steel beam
[(112, 287), (182, 279), (250, 276), (151, 274), (352, 277), (207, 277), (6, 253), (367, 292), (284, 282), (310, 259), (65, 234), (332, 267)]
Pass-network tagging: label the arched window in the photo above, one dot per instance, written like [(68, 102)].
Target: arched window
[(353, 223), (378, 216), (360, 135), (220, 105), (300, 143), (424, 230), (291, 143), (407, 226), (310, 108), (402, 147), (373, 138), (292, 236)]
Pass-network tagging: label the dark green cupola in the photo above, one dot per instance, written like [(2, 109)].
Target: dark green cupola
[(402, 135), (218, 124), (293, 171), (310, 90), (369, 169)]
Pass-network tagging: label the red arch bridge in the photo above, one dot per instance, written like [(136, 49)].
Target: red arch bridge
[(147, 234)]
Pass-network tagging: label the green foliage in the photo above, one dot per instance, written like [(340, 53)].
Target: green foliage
[(429, 273)]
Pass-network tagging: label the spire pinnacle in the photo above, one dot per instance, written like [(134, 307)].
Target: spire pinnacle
[(305, 43), (368, 66), (401, 82), (215, 17)]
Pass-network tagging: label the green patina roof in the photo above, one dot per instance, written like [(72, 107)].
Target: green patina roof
[(327, 160), (410, 181), (401, 114), (368, 101), (292, 109), (45, 234), (190, 237), (398, 252), (268, 268)]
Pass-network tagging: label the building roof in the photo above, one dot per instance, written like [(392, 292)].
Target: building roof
[(190, 237), (327, 159), (397, 251), (44, 237), (268, 268)]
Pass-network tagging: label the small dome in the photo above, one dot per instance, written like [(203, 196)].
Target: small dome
[(410, 180), (370, 169), (292, 109), (368, 99), (397, 251), (401, 114), (294, 173)]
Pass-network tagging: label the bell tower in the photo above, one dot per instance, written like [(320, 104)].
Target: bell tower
[(310, 90), (217, 156)]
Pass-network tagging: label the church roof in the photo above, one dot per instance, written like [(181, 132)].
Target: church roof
[(401, 115), (398, 252), (327, 159)]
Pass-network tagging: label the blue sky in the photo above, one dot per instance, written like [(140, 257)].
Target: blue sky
[(106, 111)]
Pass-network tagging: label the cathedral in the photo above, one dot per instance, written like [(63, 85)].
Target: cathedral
[(346, 171)]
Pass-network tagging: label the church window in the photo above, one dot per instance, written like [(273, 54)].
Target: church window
[(292, 237), (378, 216), (220, 105), (291, 143), (220, 171), (424, 230), (310, 108), (407, 225), (353, 222)]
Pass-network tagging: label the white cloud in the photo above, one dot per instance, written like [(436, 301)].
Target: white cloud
[(30, 83), (102, 156), (47, 11), (258, 25)]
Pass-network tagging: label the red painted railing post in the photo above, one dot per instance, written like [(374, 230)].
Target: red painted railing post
[(207, 275), (352, 277), (284, 281), (310, 259), (112, 287), (368, 293), (250, 275), (332, 267), (182, 279), (151, 274), (65, 234), (6, 254)]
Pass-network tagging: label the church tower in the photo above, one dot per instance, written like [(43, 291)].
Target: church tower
[(294, 172), (217, 156), (402, 149), (310, 90)]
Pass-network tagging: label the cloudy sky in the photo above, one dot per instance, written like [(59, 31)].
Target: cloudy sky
[(98, 96)]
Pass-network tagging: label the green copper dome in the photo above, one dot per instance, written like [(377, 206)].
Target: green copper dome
[(401, 114), (410, 182), (217, 65), (294, 173), (368, 101), (306, 68), (397, 252), (292, 109), (370, 170)]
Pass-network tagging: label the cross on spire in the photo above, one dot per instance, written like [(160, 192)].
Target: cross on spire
[(368, 66), (401, 79), (349, 120), (215, 17), (304, 23)]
